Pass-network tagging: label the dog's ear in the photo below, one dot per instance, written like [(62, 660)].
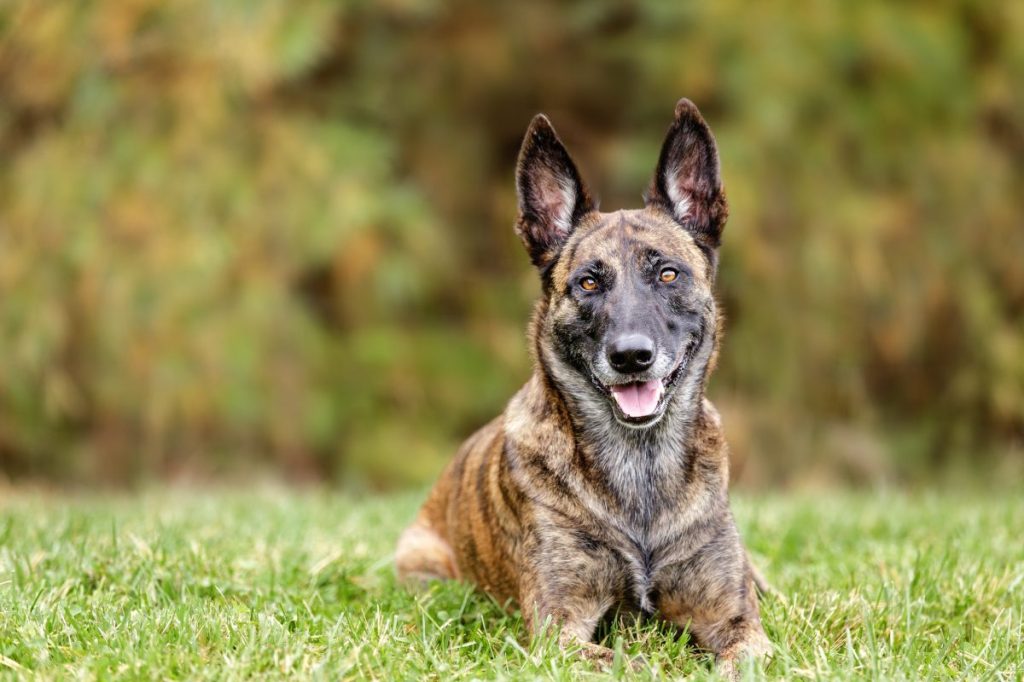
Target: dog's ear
[(552, 197), (687, 182)]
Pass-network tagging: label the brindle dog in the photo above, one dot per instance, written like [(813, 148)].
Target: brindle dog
[(604, 483)]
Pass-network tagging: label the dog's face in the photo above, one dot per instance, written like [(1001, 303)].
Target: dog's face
[(630, 309), (630, 304)]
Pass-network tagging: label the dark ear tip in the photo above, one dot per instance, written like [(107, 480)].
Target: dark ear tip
[(686, 109), (540, 136), (540, 125)]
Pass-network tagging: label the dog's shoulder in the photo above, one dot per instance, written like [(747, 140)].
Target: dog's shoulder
[(708, 446), (536, 420)]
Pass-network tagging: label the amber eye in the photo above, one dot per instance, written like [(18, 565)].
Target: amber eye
[(668, 275), (588, 284)]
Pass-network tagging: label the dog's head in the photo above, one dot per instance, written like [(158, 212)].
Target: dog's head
[(630, 317)]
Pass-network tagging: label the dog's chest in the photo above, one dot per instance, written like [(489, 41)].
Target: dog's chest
[(637, 522), (636, 564)]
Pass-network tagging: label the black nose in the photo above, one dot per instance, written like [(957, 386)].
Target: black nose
[(631, 353)]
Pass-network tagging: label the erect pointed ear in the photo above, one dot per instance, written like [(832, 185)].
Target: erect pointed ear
[(687, 182), (552, 198)]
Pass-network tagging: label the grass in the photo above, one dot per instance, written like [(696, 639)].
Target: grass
[(299, 584)]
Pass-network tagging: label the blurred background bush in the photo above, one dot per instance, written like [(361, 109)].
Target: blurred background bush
[(273, 236)]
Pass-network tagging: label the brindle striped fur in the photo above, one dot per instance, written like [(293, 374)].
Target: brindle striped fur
[(556, 504)]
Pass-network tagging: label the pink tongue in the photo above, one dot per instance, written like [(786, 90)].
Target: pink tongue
[(638, 400)]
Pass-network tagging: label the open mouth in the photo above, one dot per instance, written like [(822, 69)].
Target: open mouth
[(641, 403), (640, 399)]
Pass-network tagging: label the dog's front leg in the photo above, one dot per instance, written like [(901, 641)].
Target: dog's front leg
[(573, 612), (568, 589), (732, 634), (712, 594)]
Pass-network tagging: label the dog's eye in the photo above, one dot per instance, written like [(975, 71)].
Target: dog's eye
[(668, 275), (588, 284)]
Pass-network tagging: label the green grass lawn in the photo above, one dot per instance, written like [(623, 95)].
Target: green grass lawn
[(300, 584)]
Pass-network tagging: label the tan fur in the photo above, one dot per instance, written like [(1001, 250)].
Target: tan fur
[(546, 510)]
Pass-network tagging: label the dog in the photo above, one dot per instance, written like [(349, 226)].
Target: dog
[(603, 485)]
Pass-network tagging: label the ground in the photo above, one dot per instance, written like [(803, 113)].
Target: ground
[(274, 583)]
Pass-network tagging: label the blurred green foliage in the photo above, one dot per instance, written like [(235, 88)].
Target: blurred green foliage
[(248, 234)]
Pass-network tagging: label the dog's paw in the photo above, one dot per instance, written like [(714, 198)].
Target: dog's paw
[(604, 658), (757, 647)]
